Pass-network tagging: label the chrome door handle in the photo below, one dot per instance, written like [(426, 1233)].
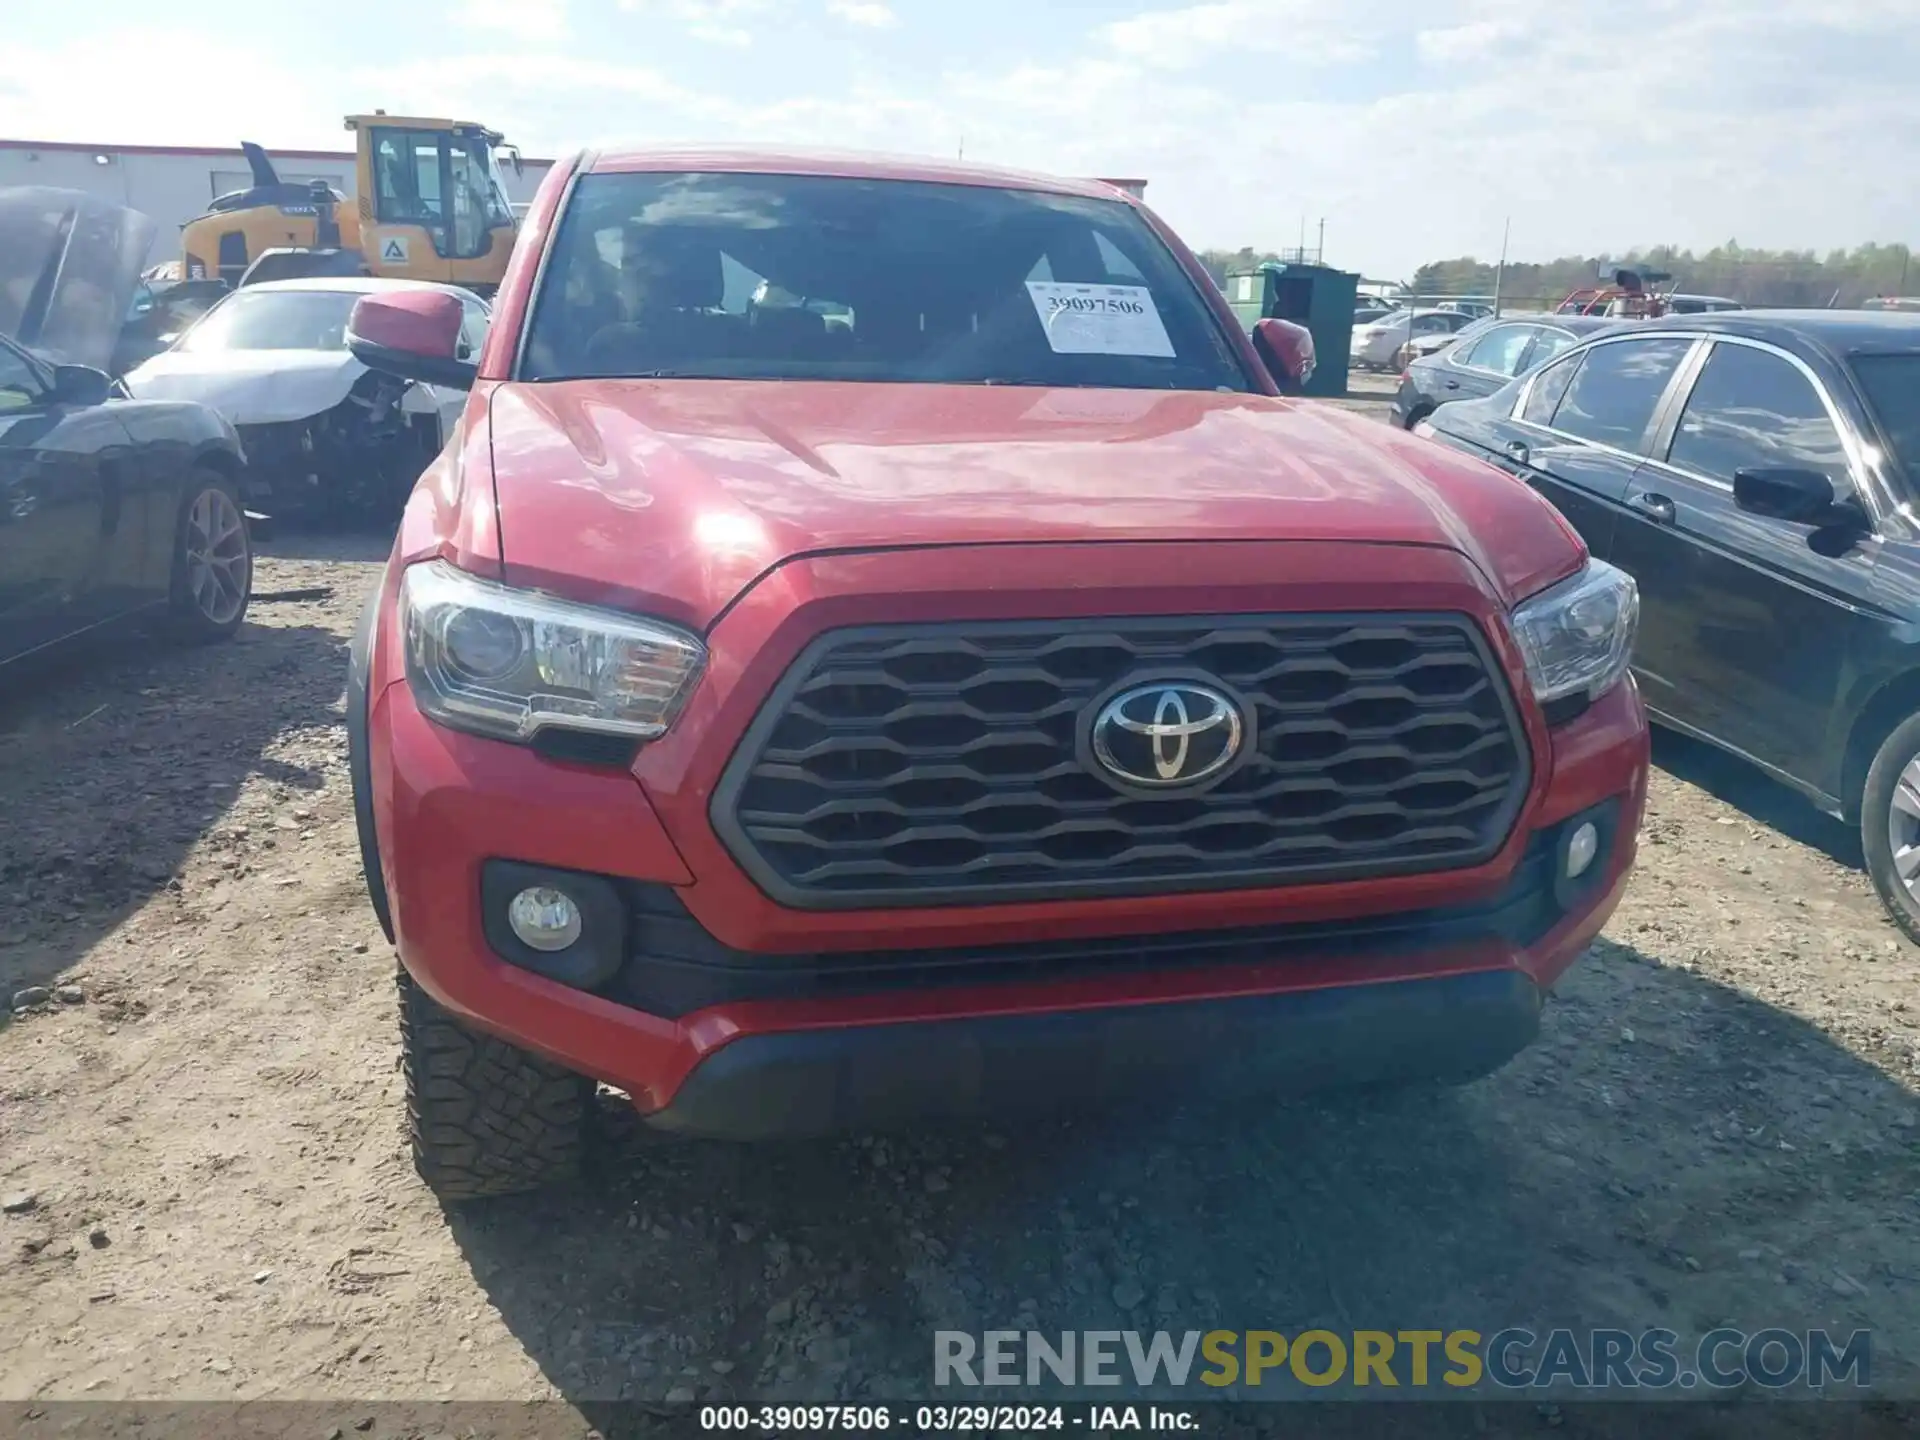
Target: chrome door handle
[(1655, 506)]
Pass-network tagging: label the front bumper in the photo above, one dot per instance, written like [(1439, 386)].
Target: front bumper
[(812, 1082), (735, 1016), (335, 461), (1307, 1015)]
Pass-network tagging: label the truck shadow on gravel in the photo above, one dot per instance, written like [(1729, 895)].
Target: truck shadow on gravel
[(311, 540), (117, 756), (1671, 1154), (1761, 798)]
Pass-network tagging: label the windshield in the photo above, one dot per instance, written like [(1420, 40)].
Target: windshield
[(1892, 385), (480, 190), (656, 274), (274, 320)]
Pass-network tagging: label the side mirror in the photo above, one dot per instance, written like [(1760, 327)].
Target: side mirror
[(1286, 349), (412, 334), (80, 385), (1799, 497)]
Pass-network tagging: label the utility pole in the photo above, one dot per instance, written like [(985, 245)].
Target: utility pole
[(963, 147), (1320, 249), (1500, 271), (1906, 255), (1300, 254)]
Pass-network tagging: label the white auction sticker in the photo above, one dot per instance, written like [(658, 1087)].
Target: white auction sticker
[(1100, 319)]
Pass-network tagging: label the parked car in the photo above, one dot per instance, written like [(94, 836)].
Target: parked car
[(1367, 314), (1431, 344), (161, 311), (110, 509), (1482, 359), (1376, 344), (1755, 471), (773, 719), (1475, 309), (323, 433)]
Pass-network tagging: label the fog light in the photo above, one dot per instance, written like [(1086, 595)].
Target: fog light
[(546, 919), (1582, 846)]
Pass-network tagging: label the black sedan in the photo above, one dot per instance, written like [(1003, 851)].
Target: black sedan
[(1485, 357), (1757, 472), (109, 507)]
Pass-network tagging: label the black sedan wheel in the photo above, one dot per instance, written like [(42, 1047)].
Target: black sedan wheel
[(212, 560), (1890, 825)]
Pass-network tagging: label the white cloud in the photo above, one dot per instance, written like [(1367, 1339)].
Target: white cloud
[(1472, 41), (1300, 29), (532, 20), (99, 86), (718, 22), (870, 13)]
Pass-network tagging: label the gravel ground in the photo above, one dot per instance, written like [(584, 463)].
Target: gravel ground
[(208, 1195)]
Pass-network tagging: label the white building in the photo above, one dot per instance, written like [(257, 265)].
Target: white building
[(173, 183)]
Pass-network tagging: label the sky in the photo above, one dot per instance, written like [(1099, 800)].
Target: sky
[(1416, 129)]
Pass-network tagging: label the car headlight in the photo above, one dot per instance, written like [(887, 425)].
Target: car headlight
[(507, 663), (1578, 636)]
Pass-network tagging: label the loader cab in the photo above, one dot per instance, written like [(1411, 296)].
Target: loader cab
[(432, 200)]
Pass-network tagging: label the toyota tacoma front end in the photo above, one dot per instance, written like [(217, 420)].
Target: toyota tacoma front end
[(998, 697)]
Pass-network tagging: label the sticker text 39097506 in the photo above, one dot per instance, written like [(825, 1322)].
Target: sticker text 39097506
[(1100, 319)]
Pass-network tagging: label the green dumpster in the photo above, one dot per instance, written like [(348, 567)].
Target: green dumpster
[(1315, 296)]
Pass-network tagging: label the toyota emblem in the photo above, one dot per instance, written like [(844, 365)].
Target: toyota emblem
[(1166, 734)]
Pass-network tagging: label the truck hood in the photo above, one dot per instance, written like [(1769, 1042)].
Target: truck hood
[(676, 495), (249, 387), (69, 264)]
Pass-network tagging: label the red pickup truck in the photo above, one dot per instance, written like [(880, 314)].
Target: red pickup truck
[(879, 645)]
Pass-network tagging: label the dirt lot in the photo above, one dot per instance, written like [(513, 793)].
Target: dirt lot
[(202, 1140)]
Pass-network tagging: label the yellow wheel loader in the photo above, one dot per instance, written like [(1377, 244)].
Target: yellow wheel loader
[(431, 204)]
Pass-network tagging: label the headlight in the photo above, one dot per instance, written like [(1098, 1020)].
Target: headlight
[(1577, 637), (506, 663)]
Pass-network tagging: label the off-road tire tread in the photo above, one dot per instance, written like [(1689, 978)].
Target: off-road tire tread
[(485, 1118), (1895, 751)]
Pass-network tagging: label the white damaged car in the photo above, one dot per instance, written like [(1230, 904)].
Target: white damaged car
[(323, 434)]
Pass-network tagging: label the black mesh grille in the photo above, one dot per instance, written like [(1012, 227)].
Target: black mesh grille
[(944, 764)]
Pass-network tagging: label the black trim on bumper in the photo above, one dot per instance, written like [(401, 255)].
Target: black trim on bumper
[(799, 1083), (676, 966)]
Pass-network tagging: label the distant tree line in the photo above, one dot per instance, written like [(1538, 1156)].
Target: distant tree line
[(1753, 277)]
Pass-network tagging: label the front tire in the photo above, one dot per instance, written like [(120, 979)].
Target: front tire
[(1890, 825), (484, 1117), (212, 560)]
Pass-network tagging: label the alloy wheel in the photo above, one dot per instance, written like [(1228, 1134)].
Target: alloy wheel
[(1903, 827), (219, 564)]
